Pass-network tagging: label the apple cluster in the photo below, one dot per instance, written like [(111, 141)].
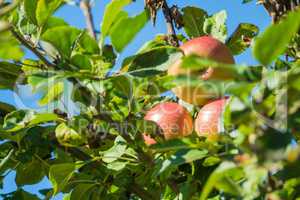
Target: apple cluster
[(174, 120)]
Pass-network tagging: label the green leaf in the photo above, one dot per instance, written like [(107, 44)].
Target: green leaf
[(17, 120), (20, 119), (176, 144), (53, 93), (59, 175), (116, 165), (88, 44), (67, 197), (68, 136), (274, 40), (9, 47), (157, 59), (111, 13), (126, 29), (193, 19), (21, 194), (43, 118), (9, 73), (6, 161), (30, 9), (81, 61), (215, 25), (116, 151), (5, 109), (157, 42), (54, 22), (223, 178), (210, 161), (45, 8), (181, 157), (123, 84), (29, 173), (241, 39), (62, 38), (81, 192)]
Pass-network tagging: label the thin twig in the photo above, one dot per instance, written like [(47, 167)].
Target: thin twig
[(170, 26), (29, 46), (86, 9)]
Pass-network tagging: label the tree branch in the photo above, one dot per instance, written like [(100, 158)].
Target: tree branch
[(278, 8), (86, 9), (170, 26), (29, 46)]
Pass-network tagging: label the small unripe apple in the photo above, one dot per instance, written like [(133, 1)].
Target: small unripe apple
[(206, 47), (209, 121), (173, 119)]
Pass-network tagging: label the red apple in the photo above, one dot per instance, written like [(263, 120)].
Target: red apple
[(210, 48), (173, 119), (209, 121)]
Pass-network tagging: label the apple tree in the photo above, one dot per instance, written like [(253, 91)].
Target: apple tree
[(179, 119)]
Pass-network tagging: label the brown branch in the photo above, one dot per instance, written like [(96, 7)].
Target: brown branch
[(278, 8), (170, 26), (86, 9), (30, 46)]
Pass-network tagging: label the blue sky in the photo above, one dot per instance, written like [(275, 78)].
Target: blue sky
[(237, 13)]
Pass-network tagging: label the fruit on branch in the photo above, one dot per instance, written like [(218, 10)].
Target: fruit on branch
[(209, 48), (173, 120), (209, 121)]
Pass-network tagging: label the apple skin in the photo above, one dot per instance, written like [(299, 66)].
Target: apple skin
[(210, 48), (208, 122), (173, 119)]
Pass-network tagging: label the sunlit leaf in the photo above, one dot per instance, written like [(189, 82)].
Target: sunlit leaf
[(116, 151), (62, 38), (44, 10), (126, 29), (67, 136), (274, 40), (241, 39), (215, 25), (111, 13), (194, 19)]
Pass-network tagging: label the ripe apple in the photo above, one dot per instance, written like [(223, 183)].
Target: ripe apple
[(173, 119), (209, 120), (206, 47)]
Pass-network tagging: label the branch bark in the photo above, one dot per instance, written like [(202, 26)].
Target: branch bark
[(278, 8), (86, 9), (30, 46), (170, 25)]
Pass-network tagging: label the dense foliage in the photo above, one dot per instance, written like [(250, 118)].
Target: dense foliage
[(98, 152)]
